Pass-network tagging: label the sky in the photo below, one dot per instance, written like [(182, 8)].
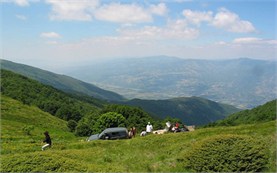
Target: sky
[(52, 34)]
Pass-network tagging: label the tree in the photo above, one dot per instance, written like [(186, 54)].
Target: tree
[(71, 124), (110, 119), (82, 129), (134, 116)]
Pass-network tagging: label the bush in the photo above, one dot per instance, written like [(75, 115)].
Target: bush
[(72, 124), (228, 153), (40, 162), (82, 129)]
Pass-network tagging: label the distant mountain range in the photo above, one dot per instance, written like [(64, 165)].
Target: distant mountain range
[(242, 82), (192, 110)]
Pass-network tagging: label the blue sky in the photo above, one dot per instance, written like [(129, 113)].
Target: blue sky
[(55, 33)]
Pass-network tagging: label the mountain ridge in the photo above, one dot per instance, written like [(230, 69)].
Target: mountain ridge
[(242, 82), (62, 82)]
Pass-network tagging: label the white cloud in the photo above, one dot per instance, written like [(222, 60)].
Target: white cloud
[(159, 9), (177, 29), (50, 35), (22, 2), (255, 41), (247, 40), (72, 10), (197, 17), (123, 13), (231, 22), (223, 19), (86, 10)]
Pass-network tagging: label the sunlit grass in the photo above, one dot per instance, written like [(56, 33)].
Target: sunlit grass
[(153, 153)]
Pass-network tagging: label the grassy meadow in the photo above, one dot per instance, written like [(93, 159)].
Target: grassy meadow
[(21, 152)]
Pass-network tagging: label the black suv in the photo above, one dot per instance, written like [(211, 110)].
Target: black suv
[(111, 133)]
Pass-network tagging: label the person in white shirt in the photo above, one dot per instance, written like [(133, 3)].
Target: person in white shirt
[(149, 128)]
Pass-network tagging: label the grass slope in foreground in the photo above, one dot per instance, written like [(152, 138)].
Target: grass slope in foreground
[(153, 153)]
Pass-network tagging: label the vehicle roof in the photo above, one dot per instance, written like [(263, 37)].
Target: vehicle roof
[(114, 129)]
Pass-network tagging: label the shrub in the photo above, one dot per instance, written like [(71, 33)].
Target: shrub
[(227, 153), (72, 124), (82, 129), (40, 162)]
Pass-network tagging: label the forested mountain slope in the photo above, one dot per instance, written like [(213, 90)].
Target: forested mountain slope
[(262, 113), (47, 98), (191, 110), (61, 82)]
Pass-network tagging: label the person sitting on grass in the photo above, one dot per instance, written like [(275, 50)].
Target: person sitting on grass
[(47, 140)]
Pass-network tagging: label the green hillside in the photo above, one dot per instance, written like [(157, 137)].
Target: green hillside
[(263, 113), (170, 152), (61, 82), (191, 110), (16, 116), (82, 112), (47, 98)]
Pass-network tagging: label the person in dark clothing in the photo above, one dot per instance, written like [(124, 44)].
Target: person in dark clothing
[(134, 131), (47, 140)]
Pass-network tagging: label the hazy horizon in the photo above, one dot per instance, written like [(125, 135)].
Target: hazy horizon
[(63, 69)]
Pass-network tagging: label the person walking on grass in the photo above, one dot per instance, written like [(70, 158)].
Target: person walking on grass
[(47, 140)]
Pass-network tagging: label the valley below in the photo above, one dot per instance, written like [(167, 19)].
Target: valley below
[(244, 83)]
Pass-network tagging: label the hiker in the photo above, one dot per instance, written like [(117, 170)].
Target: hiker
[(134, 131), (47, 140), (149, 128), (131, 133), (167, 126), (177, 125)]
